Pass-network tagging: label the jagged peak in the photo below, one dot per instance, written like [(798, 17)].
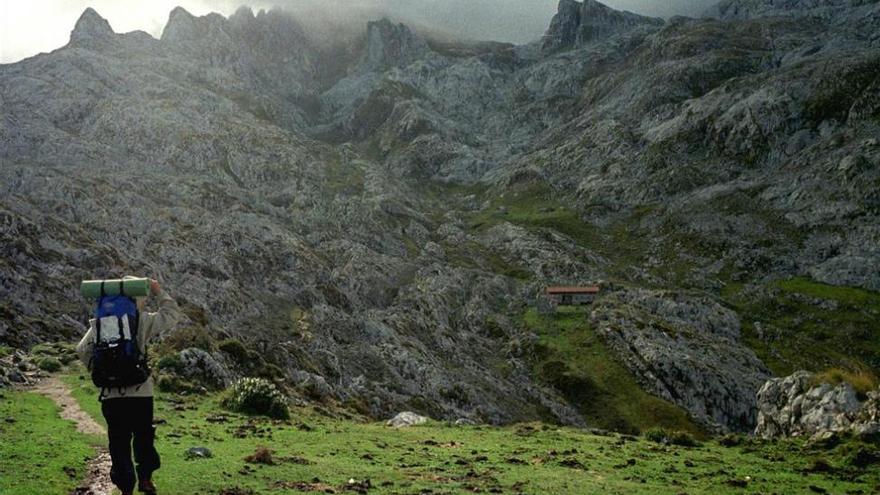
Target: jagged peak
[(577, 23), (244, 12), (90, 26), (179, 13), (391, 44), (184, 27)]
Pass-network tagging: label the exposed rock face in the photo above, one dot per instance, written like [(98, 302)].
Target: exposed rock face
[(792, 406), (685, 349), (576, 24), (747, 9), (391, 45), (407, 418), (200, 366)]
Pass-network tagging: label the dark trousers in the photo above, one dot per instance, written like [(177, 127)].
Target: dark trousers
[(130, 418)]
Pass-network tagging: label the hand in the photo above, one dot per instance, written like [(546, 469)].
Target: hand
[(154, 286)]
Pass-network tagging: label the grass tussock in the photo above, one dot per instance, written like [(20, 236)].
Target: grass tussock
[(862, 380)]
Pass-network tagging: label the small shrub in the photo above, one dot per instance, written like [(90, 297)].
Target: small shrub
[(681, 438), (44, 350), (188, 337), (730, 440), (261, 456), (862, 380), (170, 362), (49, 364), (5, 351), (656, 435), (819, 465), (257, 396), (67, 358), (270, 372), (175, 385), (235, 349), (863, 457), (684, 439)]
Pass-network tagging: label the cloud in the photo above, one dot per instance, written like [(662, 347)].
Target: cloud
[(33, 26)]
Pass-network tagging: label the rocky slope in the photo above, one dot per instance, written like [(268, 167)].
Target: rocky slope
[(373, 216), (795, 406)]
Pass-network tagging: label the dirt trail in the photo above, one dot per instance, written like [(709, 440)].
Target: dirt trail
[(97, 480)]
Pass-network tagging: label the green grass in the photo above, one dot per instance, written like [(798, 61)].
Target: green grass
[(440, 458), (39, 451), (573, 359), (802, 324)]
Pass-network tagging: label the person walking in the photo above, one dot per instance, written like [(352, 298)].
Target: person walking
[(129, 410)]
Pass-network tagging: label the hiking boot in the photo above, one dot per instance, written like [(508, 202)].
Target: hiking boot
[(147, 486)]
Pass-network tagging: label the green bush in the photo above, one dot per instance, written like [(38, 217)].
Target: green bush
[(175, 385), (730, 440), (657, 435), (170, 362), (235, 349), (684, 439), (44, 350), (256, 396), (660, 435), (187, 337), (49, 364), (67, 358)]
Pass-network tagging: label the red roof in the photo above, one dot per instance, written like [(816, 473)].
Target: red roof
[(573, 290)]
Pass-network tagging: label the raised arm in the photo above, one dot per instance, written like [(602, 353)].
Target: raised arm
[(85, 346), (166, 318)]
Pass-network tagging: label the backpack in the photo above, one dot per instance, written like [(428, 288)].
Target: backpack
[(117, 361)]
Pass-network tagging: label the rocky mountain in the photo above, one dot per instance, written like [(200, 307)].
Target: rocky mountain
[(373, 216)]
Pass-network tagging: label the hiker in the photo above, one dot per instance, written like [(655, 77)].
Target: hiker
[(129, 410)]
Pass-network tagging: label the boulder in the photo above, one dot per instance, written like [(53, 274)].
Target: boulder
[(406, 419), (794, 406), (199, 365)]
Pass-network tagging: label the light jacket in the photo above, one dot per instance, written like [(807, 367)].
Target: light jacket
[(150, 325)]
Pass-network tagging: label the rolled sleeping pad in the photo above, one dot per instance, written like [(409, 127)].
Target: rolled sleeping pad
[(134, 287)]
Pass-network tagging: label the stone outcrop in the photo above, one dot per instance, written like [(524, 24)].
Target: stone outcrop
[(795, 406), (406, 419), (391, 45), (828, 9), (578, 23), (685, 349)]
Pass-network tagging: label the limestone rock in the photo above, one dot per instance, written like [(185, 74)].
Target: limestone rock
[(200, 366), (578, 23), (687, 351), (406, 419), (792, 406)]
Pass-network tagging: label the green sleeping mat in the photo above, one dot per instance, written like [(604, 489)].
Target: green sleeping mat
[(135, 287)]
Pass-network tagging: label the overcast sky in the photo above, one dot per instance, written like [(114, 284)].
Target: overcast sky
[(33, 26)]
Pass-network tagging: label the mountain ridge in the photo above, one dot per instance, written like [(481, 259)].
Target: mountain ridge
[(398, 211)]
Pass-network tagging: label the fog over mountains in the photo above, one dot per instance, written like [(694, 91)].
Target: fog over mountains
[(30, 28), (377, 214)]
